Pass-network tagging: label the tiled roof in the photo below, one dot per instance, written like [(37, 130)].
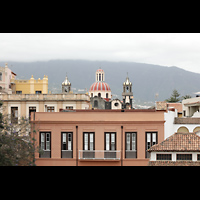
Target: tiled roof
[(179, 142), (100, 86)]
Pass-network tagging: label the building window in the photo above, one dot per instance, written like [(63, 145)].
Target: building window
[(95, 103), (50, 108), (91, 94), (131, 145), (69, 107), (88, 145), (110, 145), (38, 92), (163, 156), (106, 95), (66, 145), (198, 156), (31, 109), (0, 76), (18, 92), (151, 139), (183, 156), (88, 141), (45, 144), (99, 94), (99, 77), (14, 115)]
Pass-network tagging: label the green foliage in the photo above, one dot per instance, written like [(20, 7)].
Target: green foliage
[(17, 146), (186, 97), (174, 97)]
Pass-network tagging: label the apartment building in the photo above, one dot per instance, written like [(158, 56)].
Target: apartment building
[(21, 105), (96, 137)]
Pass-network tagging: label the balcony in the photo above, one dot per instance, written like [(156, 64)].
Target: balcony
[(186, 120), (99, 155)]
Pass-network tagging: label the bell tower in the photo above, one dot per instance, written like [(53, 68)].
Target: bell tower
[(66, 86), (100, 75), (127, 94)]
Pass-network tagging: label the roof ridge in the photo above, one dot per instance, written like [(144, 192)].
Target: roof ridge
[(178, 142)]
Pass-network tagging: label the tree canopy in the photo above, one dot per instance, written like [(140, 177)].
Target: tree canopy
[(17, 148)]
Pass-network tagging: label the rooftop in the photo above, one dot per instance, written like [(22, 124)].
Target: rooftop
[(179, 142)]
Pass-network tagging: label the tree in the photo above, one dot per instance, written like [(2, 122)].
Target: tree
[(187, 96), (17, 148), (174, 97)]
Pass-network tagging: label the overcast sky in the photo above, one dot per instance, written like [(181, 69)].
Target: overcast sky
[(166, 49)]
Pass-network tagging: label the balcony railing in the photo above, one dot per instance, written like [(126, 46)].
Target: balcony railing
[(99, 155)]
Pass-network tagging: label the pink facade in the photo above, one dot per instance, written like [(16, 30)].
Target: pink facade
[(97, 137), (5, 79)]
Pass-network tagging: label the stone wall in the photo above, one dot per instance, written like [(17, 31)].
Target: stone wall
[(172, 163)]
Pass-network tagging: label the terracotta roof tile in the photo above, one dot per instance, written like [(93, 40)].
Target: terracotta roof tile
[(179, 142)]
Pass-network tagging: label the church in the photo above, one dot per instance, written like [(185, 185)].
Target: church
[(100, 94)]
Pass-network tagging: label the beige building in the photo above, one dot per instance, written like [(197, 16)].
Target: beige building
[(18, 105), (32, 97)]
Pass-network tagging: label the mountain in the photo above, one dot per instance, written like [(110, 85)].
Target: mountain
[(147, 79)]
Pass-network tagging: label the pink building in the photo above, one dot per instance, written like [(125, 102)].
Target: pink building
[(97, 137), (5, 79)]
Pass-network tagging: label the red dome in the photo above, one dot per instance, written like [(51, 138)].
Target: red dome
[(100, 86)]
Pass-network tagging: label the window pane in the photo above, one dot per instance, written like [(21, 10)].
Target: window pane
[(128, 141), (69, 141), (154, 138), (112, 141), (91, 141), (47, 141), (107, 141), (133, 142), (148, 137), (86, 141), (42, 140), (64, 138), (64, 141)]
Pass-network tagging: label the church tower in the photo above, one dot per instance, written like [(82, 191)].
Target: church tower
[(127, 94), (66, 86)]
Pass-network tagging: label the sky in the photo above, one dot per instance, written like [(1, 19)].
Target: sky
[(167, 49)]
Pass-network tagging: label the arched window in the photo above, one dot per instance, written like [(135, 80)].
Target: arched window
[(99, 94), (183, 129), (95, 103), (0, 76), (106, 95)]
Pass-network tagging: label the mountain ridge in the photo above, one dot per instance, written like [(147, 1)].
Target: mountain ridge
[(147, 79)]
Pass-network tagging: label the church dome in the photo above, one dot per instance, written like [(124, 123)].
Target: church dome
[(100, 86), (66, 81), (127, 82)]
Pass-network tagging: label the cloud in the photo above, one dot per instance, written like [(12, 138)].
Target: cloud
[(168, 49)]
